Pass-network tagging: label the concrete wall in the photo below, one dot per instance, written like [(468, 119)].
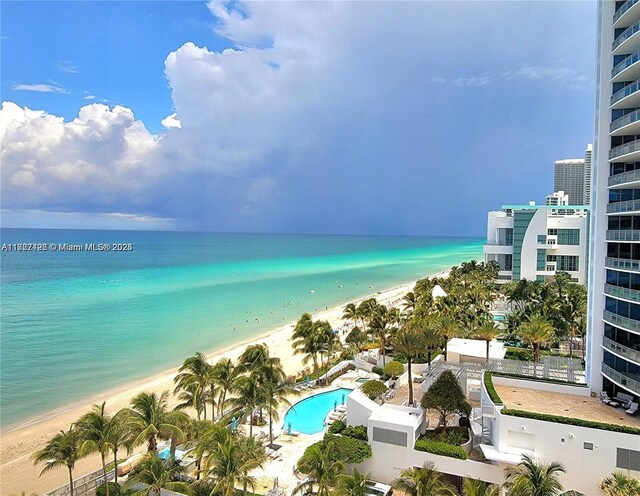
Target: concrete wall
[(541, 386), (551, 441), (359, 408)]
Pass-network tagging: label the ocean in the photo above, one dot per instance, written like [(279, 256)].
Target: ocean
[(77, 323)]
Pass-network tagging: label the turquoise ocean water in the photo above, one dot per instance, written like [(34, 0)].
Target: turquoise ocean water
[(73, 324)]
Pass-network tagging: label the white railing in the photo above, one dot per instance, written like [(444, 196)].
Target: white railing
[(622, 264), (624, 177), (620, 349), (84, 485), (622, 379), (627, 148)]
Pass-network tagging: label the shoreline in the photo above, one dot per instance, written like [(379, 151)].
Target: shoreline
[(19, 440)]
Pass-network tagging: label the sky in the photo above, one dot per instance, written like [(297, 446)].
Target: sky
[(398, 118)]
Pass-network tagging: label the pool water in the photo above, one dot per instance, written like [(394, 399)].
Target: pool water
[(164, 454), (362, 380), (307, 416)]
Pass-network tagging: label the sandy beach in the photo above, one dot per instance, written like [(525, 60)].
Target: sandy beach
[(17, 472)]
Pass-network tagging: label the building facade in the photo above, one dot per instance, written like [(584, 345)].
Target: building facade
[(613, 352), (534, 242), (568, 176)]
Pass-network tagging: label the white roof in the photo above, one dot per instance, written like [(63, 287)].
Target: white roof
[(398, 415), (492, 453), (476, 348)]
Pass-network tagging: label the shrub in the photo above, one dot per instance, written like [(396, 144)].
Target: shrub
[(356, 432), (440, 448), (337, 427), (348, 449), (455, 438), (571, 421), (378, 370), (373, 389), (491, 390), (345, 449), (393, 369), (203, 487), (371, 346), (114, 490), (521, 354), (537, 379)]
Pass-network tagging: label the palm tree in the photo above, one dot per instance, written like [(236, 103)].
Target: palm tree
[(530, 478), (381, 321), (63, 449), (230, 462), (423, 481), (195, 435), (249, 395), (410, 342), (223, 374), (352, 485), (156, 474), (488, 331), (409, 302), (150, 419), (277, 394), (323, 472), (193, 376), (95, 433), (620, 484), (120, 436), (447, 327), (350, 312), (473, 487), (536, 330)]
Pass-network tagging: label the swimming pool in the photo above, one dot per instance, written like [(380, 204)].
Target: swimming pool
[(164, 454), (307, 416)]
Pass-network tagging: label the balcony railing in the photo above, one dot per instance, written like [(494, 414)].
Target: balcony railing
[(625, 120), (627, 62), (622, 322), (626, 34), (623, 8), (499, 243), (624, 177), (625, 92), (623, 351), (619, 151), (623, 206), (622, 264), (623, 235), (621, 378), (625, 293)]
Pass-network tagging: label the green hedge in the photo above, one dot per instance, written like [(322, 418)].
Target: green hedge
[(571, 421), (491, 390), (345, 449), (439, 448), (337, 427), (356, 432)]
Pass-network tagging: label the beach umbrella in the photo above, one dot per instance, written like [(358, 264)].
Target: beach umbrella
[(335, 405), (289, 428), (306, 381), (438, 292), (343, 398), (234, 424)]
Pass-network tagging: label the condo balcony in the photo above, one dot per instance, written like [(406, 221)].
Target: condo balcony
[(628, 69), (623, 235), (622, 264), (629, 206), (625, 352), (629, 152), (624, 323), (627, 12), (623, 293), (624, 380), (627, 97), (627, 124), (625, 179), (627, 41)]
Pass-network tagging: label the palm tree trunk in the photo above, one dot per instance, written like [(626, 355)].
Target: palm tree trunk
[(571, 342), (104, 473), (446, 346), (251, 423), (487, 351), (270, 427), (115, 464), (71, 491), (198, 467), (410, 382), (153, 445)]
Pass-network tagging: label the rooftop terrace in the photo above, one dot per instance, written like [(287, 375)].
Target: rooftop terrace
[(565, 405)]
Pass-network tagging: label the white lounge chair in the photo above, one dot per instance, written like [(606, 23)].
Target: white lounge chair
[(633, 409)]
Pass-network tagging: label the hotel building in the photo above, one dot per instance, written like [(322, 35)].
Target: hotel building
[(613, 353)]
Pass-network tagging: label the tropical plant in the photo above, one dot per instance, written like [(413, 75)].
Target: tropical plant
[(278, 392), (446, 396), (382, 318), (373, 389), (95, 430), (424, 481), (249, 396), (473, 487), (150, 419), (620, 484), (323, 472), (230, 461), (393, 369), (409, 341), (193, 376), (488, 331), (530, 478), (222, 375), (63, 449), (447, 327), (354, 484), (536, 330), (156, 474)]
